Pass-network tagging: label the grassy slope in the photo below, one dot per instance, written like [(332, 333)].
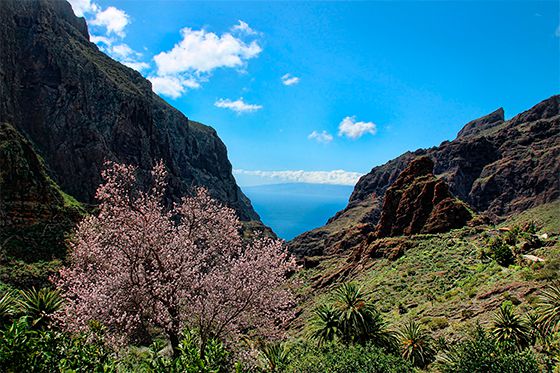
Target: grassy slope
[(442, 280)]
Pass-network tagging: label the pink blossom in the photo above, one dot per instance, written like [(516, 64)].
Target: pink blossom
[(137, 267)]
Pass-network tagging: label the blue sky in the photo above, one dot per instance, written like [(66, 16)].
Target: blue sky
[(308, 88)]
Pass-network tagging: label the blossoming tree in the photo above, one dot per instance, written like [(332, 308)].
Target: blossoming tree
[(137, 267)]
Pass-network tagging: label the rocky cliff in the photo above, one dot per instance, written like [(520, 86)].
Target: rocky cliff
[(418, 202), (78, 108), (34, 213), (497, 167)]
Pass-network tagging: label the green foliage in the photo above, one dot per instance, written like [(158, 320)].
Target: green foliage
[(274, 357), (340, 358), (549, 307), (325, 324), (416, 344), (500, 251), (482, 354), (352, 318), (25, 349), (510, 328), (7, 307), (39, 305), (216, 357)]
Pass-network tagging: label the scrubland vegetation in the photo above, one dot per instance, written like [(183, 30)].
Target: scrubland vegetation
[(149, 288)]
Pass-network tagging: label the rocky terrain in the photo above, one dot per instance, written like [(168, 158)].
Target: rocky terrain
[(497, 167), (78, 108), (34, 212)]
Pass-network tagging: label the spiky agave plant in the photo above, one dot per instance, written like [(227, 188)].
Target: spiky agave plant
[(416, 344), (7, 307), (326, 324), (549, 308), (274, 356), (39, 305), (510, 328)]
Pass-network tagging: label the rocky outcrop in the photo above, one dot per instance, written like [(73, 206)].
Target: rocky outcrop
[(418, 202), (78, 108), (497, 167), (34, 213)]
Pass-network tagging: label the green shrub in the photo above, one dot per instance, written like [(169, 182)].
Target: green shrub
[(500, 251), (483, 354), (345, 359)]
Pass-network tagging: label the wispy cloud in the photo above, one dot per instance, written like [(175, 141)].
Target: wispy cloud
[(322, 137), (335, 177), (108, 30), (288, 79), (350, 128), (557, 32), (243, 27), (239, 105)]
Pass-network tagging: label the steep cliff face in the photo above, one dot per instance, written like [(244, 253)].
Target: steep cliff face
[(34, 213), (78, 108), (497, 167)]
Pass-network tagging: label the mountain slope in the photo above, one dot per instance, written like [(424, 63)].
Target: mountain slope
[(34, 213), (498, 167), (78, 108)]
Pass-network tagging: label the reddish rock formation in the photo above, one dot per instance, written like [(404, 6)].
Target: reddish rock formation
[(498, 167), (418, 202)]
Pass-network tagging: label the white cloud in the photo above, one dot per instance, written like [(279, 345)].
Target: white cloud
[(99, 40), (172, 86), (336, 177), (354, 130), (239, 106), (138, 66), (82, 7), (288, 79), (243, 27), (322, 137), (113, 19), (202, 52), (557, 32)]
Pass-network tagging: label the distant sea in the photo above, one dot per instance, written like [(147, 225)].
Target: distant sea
[(291, 209)]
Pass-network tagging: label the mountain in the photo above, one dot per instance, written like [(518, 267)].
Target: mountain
[(498, 167), (79, 108), (292, 208), (34, 213)]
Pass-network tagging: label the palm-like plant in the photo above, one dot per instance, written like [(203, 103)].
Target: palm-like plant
[(39, 305), (416, 344), (510, 328), (357, 313), (326, 324), (549, 307)]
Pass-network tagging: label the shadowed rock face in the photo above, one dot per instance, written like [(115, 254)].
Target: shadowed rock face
[(497, 167), (34, 214), (78, 108), (418, 202)]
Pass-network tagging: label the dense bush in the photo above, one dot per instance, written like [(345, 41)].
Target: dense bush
[(481, 353), (500, 251), (334, 357)]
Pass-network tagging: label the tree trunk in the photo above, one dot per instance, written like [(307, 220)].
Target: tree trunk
[(174, 340)]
